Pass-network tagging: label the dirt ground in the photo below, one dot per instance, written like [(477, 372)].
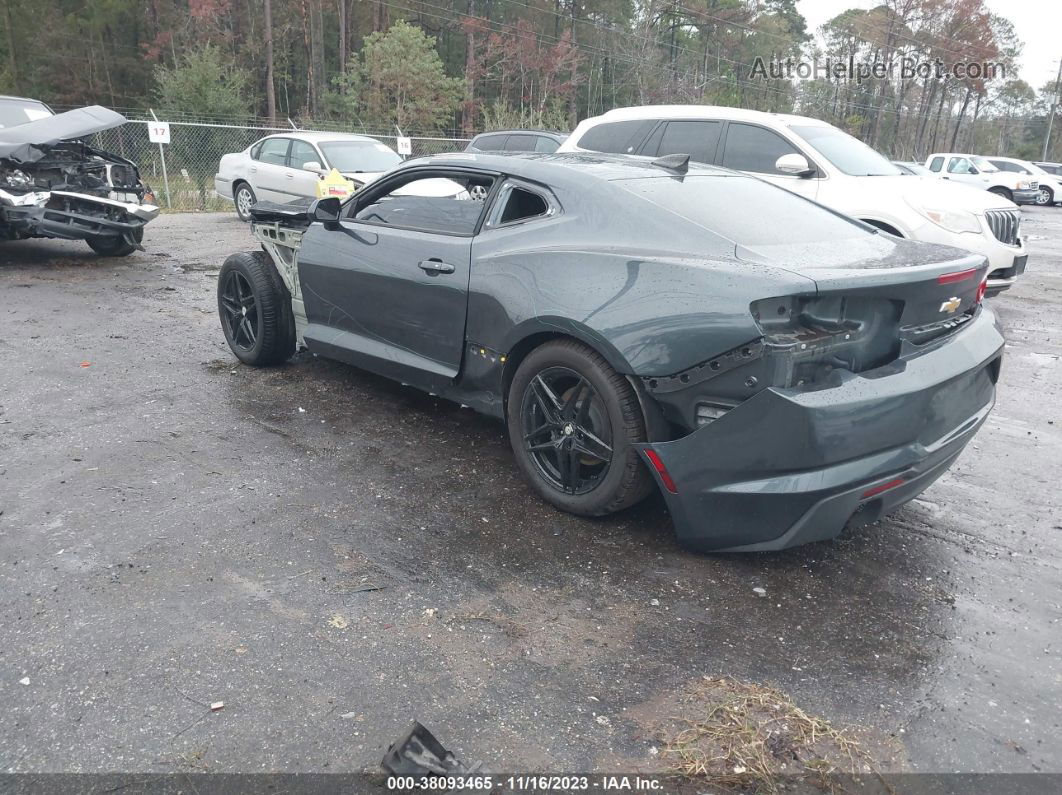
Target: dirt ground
[(332, 555)]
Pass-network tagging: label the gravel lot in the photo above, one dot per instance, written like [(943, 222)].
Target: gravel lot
[(178, 530)]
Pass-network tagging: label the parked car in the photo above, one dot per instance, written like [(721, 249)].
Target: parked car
[(777, 369), (54, 184), (1050, 168), (516, 141), (978, 172), (1050, 185), (287, 166), (820, 162), (916, 169)]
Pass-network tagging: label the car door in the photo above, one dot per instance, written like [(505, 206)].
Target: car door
[(386, 288), (755, 149), (300, 181), (960, 169), (266, 171)]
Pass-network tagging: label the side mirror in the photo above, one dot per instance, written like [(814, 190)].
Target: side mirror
[(973, 171), (313, 166), (327, 211), (795, 164)]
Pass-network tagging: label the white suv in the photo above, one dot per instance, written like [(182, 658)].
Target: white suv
[(978, 172), (1050, 184), (819, 161)]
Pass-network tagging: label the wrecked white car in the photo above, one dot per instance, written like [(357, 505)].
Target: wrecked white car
[(53, 184)]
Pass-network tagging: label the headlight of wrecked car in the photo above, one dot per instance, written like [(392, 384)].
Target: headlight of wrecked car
[(952, 220)]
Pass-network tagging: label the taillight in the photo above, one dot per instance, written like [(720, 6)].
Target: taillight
[(981, 290)]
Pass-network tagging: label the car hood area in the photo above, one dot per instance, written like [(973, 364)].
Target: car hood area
[(935, 192), (24, 141)]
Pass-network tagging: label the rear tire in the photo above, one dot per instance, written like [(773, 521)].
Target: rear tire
[(255, 310), (114, 246), (568, 410), (243, 197), (1004, 192)]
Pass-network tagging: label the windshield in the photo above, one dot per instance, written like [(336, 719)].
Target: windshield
[(849, 154), (352, 157), (19, 111), (721, 204), (983, 164)]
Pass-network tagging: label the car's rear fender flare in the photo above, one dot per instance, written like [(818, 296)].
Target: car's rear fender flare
[(535, 332)]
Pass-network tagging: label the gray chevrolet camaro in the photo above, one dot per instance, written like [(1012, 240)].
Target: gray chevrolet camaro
[(777, 370)]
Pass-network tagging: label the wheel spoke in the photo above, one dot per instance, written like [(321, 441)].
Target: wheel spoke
[(547, 400), (591, 446), (564, 466), (550, 445), (249, 330), (548, 426)]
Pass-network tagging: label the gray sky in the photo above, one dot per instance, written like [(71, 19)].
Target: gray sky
[(1037, 22)]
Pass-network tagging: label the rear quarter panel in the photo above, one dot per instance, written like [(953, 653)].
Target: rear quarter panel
[(596, 276)]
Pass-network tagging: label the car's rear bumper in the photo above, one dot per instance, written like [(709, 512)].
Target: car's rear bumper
[(788, 466), (223, 186)]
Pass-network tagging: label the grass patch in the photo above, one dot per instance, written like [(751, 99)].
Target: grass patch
[(749, 737)]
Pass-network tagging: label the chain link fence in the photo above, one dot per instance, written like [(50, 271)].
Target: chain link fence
[(189, 162)]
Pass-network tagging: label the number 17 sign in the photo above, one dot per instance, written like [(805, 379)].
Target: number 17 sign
[(159, 132)]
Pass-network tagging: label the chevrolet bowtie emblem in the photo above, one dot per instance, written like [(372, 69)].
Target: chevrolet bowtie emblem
[(950, 305)]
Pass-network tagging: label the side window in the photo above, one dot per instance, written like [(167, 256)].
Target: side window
[(256, 150), (544, 144), (752, 148), (936, 164), (302, 152), (618, 137), (697, 139), (275, 151), (520, 143), (489, 143), (1004, 165), (960, 165), (446, 205), (521, 205)]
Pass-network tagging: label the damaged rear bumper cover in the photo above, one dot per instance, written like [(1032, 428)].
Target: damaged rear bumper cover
[(789, 466), (73, 216)]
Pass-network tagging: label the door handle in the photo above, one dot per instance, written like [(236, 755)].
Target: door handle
[(289, 175), (435, 265)]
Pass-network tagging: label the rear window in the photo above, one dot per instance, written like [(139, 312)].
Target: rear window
[(489, 143), (735, 207)]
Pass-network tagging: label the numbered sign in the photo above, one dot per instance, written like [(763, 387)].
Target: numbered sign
[(159, 132), (405, 145)]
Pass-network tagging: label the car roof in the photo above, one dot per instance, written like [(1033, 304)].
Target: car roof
[(315, 135), (706, 112), (548, 167), (548, 133)]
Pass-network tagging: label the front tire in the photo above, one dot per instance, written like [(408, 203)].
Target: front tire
[(244, 198), (114, 245), (1004, 192), (1045, 198), (573, 421), (255, 310)]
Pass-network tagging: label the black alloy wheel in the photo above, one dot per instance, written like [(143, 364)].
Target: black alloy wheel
[(574, 426), (255, 310), (566, 430), (239, 312)]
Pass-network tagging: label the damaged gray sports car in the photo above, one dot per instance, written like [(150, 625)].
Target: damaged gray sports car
[(777, 370), (53, 184)]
